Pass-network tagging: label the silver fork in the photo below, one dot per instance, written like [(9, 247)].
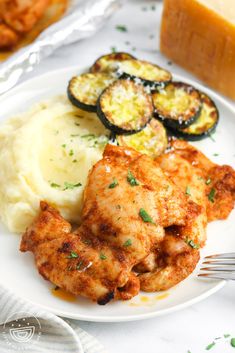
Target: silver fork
[(220, 266)]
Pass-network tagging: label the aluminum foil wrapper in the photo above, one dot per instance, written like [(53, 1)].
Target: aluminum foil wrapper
[(82, 19)]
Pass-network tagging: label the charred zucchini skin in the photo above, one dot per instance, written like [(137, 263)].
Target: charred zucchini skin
[(82, 102), (191, 115), (106, 118), (79, 104), (152, 140), (99, 66), (146, 83), (204, 130), (193, 137), (152, 84)]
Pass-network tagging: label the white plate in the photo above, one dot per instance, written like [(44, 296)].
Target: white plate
[(17, 270)]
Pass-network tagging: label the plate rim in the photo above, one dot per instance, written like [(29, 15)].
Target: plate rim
[(133, 317), (130, 318)]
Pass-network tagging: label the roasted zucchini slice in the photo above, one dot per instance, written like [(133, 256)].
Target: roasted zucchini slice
[(152, 140), (206, 122), (109, 62), (148, 74), (178, 105), (124, 107), (84, 90)]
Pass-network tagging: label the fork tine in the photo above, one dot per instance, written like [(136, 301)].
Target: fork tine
[(219, 268), (222, 266), (219, 262), (221, 256), (217, 276)]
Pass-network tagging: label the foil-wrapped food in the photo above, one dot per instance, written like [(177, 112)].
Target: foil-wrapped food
[(59, 21)]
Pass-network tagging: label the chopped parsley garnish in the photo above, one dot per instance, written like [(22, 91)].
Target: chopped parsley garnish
[(103, 256), (208, 181), (77, 124), (191, 243), (113, 184), (87, 241), (188, 192), (64, 145), (79, 265), (71, 153), (91, 136), (103, 141), (145, 8), (131, 179), (98, 140), (118, 207), (216, 154), (121, 28), (54, 185), (66, 185), (69, 186), (113, 49), (74, 161), (200, 178), (211, 345), (127, 243), (211, 196), (73, 255), (145, 216), (232, 342), (74, 135), (226, 335)]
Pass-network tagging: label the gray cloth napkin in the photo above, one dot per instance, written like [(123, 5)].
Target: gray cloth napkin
[(26, 328)]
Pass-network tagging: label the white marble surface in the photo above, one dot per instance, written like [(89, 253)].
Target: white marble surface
[(192, 329)]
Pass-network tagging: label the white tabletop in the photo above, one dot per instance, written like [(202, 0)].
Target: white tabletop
[(192, 329)]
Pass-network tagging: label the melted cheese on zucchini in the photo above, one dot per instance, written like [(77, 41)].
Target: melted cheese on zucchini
[(176, 102), (109, 62), (206, 120), (126, 104), (87, 88), (144, 70), (152, 140)]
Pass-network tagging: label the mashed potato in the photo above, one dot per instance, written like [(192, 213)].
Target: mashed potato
[(46, 154)]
